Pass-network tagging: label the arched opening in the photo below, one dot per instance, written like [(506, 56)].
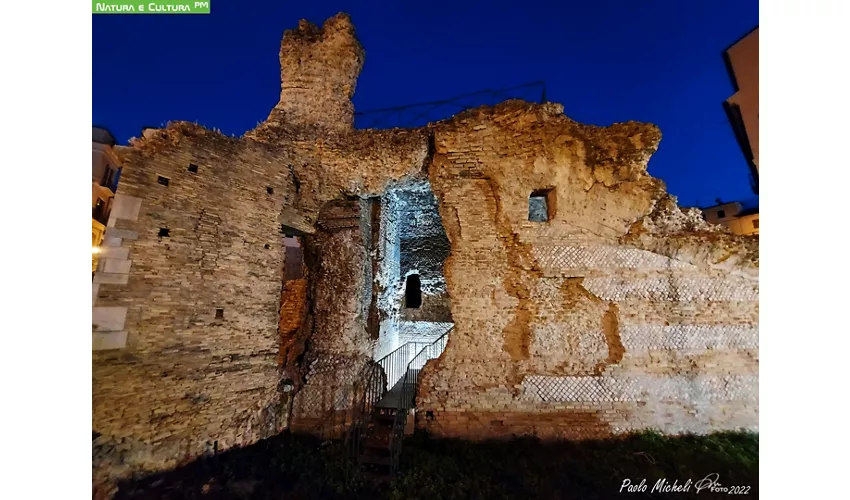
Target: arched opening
[(413, 292)]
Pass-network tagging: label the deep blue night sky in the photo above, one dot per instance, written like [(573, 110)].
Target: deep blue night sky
[(657, 61)]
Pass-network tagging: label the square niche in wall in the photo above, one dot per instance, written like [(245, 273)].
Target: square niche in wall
[(540, 205)]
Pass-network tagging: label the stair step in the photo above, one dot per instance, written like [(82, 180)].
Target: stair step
[(377, 442), (381, 428), (372, 459), (382, 470), (383, 418), (377, 477), (377, 424), (381, 411), (378, 447)]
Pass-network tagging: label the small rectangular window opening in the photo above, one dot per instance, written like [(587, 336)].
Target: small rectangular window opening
[(269, 190), (163, 232), (162, 180), (540, 206), (755, 223), (219, 313), (721, 214), (193, 168)]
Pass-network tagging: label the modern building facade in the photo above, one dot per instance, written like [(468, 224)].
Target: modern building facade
[(740, 217), (106, 168), (742, 108)]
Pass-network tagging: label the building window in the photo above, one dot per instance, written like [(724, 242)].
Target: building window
[(721, 214), (162, 180), (193, 168), (163, 232), (219, 313), (99, 212), (755, 223), (269, 190), (540, 206), (106, 181), (413, 292)]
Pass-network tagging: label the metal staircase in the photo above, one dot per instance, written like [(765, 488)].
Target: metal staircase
[(384, 405)]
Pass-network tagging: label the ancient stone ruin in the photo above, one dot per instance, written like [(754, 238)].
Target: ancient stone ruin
[(247, 282)]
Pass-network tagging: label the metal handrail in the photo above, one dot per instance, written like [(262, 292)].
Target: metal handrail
[(371, 383), (379, 377), (410, 386), (395, 362)]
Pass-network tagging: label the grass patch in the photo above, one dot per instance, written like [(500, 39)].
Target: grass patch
[(529, 468), (302, 467)]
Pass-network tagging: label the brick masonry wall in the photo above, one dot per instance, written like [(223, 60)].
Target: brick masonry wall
[(293, 311), (186, 381), (610, 316)]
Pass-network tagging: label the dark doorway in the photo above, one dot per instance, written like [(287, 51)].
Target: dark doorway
[(413, 292)]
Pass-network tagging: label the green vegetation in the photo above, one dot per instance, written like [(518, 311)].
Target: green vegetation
[(301, 467), (528, 468)]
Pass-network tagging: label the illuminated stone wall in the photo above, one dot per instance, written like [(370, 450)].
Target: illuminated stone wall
[(617, 312), (199, 369)]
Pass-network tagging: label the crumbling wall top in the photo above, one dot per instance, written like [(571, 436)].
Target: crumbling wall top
[(684, 235), (319, 67)]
